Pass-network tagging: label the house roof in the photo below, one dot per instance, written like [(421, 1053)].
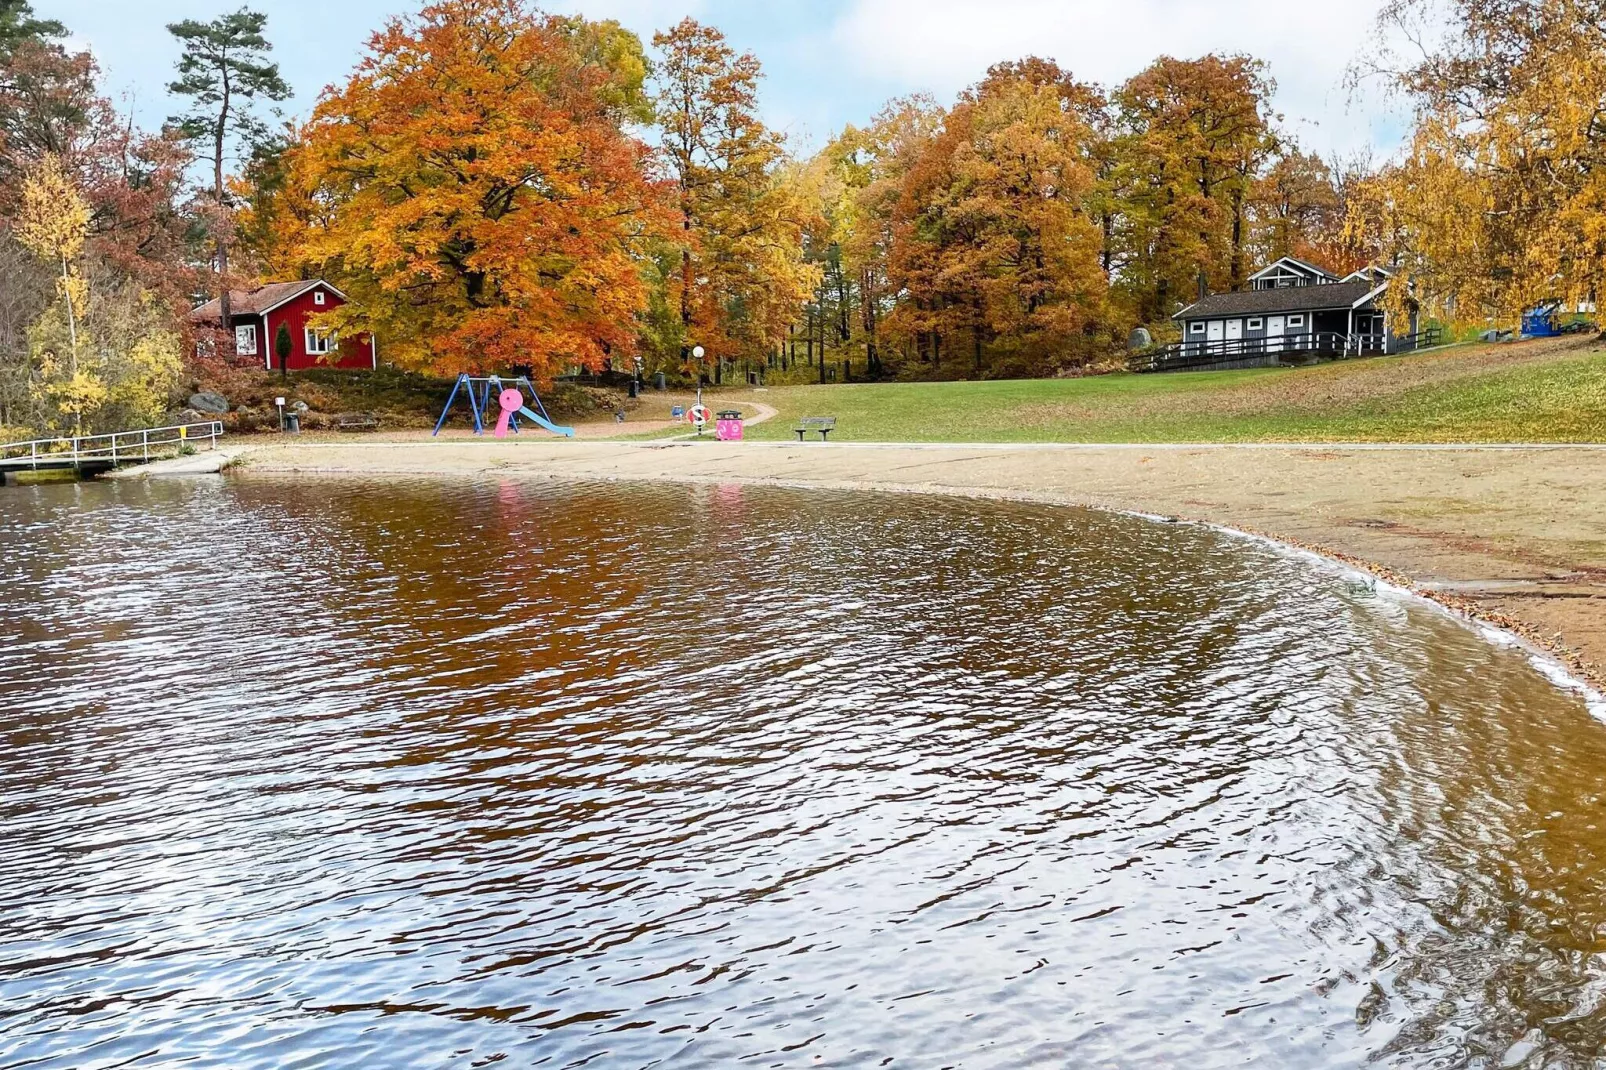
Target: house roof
[(256, 302), (1285, 299)]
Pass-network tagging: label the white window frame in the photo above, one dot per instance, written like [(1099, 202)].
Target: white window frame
[(1295, 320), (317, 344), (245, 340), (1196, 327), (317, 297), (1255, 324)]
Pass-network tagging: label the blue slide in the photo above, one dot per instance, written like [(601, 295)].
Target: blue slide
[(541, 421)]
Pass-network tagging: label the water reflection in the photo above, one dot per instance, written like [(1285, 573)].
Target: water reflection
[(417, 773)]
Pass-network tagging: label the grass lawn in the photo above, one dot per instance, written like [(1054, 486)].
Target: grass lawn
[(1543, 391)]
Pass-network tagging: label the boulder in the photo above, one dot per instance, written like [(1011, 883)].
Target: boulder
[(209, 401), (301, 407), (190, 416), (1139, 339)]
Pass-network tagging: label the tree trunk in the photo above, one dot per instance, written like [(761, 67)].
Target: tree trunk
[(72, 340), (1237, 238), (225, 309)]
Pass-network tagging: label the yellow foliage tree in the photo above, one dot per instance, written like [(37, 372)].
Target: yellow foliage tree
[(1500, 201), (53, 225)]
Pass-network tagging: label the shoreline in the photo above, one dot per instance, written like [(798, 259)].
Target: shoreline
[(1511, 537)]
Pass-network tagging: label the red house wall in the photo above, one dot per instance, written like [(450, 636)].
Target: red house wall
[(353, 352)]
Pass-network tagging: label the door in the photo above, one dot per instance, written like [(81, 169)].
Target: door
[(1235, 335), (1213, 331), (1274, 334)]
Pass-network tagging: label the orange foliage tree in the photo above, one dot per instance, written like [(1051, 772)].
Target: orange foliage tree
[(997, 239), (474, 191)]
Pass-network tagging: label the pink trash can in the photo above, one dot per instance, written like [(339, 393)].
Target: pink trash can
[(728, 427)]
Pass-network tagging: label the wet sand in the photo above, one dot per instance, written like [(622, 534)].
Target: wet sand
[(1513, 536)]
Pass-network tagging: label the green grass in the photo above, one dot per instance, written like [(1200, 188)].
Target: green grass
[(1532, 392)]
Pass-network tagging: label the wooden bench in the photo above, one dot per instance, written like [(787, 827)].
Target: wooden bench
[(356, 421), (823, 424)]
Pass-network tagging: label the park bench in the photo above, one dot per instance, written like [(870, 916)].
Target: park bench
[(356, 421), (823, 424)]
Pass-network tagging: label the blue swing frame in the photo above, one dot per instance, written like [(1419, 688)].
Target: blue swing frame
[(478, 388)]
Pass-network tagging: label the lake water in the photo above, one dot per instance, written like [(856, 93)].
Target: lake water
[(392, 774)]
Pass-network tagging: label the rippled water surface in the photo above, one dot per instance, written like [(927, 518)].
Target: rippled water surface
[(365, 774)]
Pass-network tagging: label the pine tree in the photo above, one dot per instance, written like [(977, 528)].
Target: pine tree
[(224, 70)]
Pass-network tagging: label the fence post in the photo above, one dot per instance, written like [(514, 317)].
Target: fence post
[(114, 449), (213, 429), (145, 443)]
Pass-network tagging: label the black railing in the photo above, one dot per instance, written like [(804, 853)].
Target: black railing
[(1423, 339), (1182, 356)]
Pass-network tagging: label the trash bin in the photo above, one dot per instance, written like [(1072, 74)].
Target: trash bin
[(728, 426), (292, 423), (658, 381), (635, 388)]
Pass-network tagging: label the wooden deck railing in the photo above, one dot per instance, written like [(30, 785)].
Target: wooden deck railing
[(1182, 356)]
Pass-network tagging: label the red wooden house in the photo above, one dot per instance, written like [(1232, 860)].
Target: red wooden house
[(256, 315)]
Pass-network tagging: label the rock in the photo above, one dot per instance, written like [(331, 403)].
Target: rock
[(1139, 339), (190, 416), (301, 406), (209, 401)]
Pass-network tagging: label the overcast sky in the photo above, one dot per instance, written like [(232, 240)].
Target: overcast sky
[(832, 62)]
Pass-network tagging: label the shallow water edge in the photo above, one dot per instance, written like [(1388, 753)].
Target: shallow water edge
[(1561, 666)]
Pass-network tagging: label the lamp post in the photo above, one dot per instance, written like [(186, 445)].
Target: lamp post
[(697, 355)]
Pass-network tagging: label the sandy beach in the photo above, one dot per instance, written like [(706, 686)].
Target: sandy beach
[(1510, 535)]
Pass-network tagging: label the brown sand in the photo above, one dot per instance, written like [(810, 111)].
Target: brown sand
[(1516, 537)]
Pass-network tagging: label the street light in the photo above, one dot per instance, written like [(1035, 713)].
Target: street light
[(698, 351)]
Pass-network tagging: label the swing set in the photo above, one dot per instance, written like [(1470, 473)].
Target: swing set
[(482, 391)]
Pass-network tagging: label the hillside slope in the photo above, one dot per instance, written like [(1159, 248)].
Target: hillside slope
[(1540, 391)]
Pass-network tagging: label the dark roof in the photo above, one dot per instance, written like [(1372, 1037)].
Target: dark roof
[(1284, 299), (253, 302)]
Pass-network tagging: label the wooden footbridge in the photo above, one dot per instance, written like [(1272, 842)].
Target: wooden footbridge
[(94, 454)]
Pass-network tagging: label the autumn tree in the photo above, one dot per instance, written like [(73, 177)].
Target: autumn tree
[(473, 189), (224, 71), (1498, 201), (1295, 210), (872, 166), (741, 275), (47, 95), (53, 225), (996, 239), (1195, 136)]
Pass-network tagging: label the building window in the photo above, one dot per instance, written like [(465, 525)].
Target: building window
[(1196, 328), (318, 343), (245, 340), (1256, 324), (1296, 321), (317, 297)]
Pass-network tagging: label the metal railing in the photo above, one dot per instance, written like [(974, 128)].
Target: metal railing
[(117, 447)]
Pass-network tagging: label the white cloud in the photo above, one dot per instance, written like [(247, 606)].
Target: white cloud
[(944, 45)]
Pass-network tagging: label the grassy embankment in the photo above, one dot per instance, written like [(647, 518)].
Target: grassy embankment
[(1550, 391)]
